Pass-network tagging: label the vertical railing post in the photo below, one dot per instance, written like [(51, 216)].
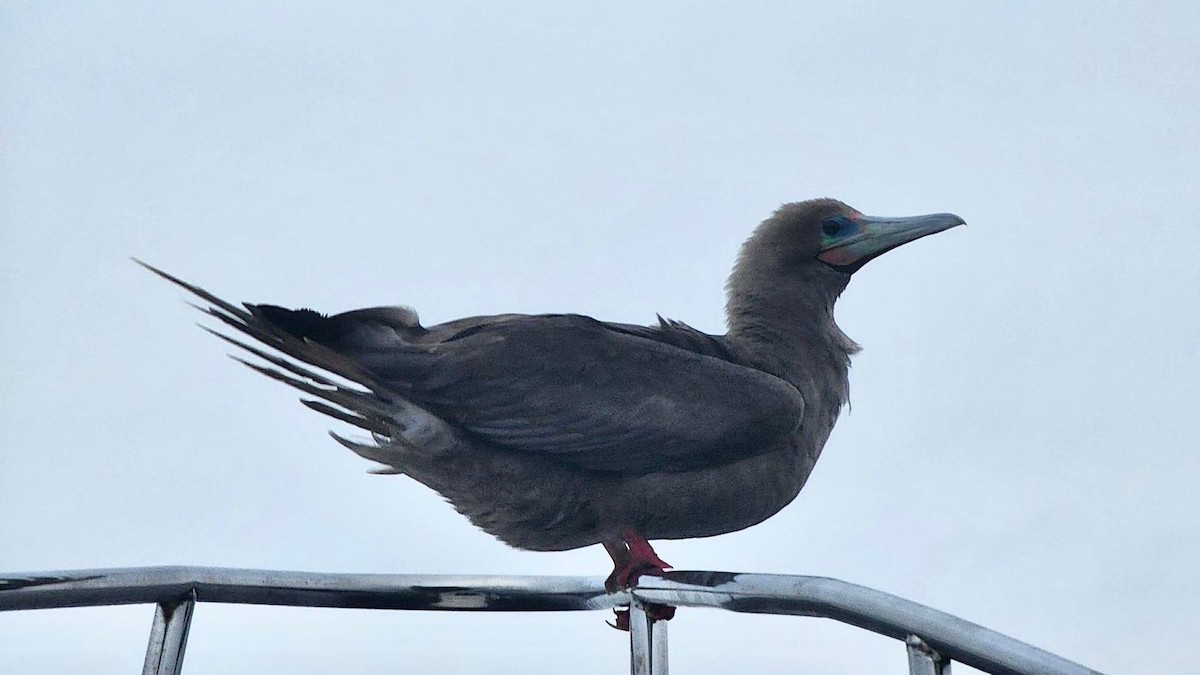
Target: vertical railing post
[(647, 642), (922, 660), (659, 647), (168, 636)]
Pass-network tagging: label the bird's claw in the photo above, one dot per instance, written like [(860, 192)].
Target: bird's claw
[(655, 612)]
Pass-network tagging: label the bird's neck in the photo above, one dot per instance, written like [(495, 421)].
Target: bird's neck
[(786, 327)]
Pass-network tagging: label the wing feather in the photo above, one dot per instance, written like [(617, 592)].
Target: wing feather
[(604, 399)]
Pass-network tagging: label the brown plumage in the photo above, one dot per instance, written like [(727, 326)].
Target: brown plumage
[(555, 432)]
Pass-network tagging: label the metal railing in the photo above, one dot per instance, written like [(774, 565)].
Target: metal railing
[(933, 639)]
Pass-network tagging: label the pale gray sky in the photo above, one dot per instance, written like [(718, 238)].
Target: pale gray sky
[(1022, 449)]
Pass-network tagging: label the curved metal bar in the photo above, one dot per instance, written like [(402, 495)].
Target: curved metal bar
[(873, 610), (860, 606), (43, 590)]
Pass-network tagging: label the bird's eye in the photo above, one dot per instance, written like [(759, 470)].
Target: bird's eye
[(832, 227)]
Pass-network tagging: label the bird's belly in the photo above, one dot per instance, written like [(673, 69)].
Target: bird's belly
[(712, 501), (537, 504)]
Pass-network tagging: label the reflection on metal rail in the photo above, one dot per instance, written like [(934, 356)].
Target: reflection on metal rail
[(933, 638)]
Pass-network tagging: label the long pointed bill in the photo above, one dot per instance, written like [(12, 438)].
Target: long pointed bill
[(849, 242)]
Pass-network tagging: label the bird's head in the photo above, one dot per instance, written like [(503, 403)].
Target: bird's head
[(831, 233), (803, 256)]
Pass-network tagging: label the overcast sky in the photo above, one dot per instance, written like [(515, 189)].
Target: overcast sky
[(1022, 449)]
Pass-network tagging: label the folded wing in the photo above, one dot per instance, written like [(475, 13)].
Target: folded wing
[(595, 395)]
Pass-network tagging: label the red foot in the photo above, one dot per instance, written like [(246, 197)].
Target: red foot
[(640, 549), (632, 557)]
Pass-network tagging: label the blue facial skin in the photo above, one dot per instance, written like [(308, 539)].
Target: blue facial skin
[(836, 229)]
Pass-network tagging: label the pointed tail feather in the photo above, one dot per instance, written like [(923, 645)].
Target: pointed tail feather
[(371, 405)]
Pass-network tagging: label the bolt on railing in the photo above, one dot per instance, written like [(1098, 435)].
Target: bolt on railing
[(933, 639)]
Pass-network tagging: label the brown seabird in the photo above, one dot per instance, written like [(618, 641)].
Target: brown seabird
[(554, 432)]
